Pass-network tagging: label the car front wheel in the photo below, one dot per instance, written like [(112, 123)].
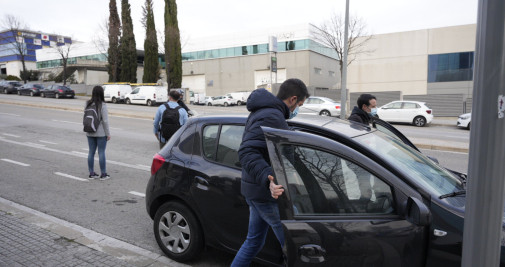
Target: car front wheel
[(325, 113), (114, 100), (209, 104), (19, 92), (5, 91), (57, 96), (128, 102), (178, 232), (225, 104), (42, 95), (31, 94), (419, 121)]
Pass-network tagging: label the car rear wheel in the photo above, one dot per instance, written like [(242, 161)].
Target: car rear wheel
[(31, 94), (209, 104), (149, 102), (19, 92), (225, 104), (468, 126), (57, 95), (5, 91), (42, 95), (325, 113), (419, 121), (178, 232), (128, 102), (114, 100)]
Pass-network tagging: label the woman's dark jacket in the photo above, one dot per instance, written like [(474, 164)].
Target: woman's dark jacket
[(266, 110)]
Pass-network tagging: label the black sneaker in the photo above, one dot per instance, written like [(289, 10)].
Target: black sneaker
[(93, 175), (104, 177)]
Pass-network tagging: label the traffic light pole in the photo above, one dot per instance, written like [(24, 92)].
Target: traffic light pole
[(486, 169)]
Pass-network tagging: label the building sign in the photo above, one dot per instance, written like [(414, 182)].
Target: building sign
[(20, 39), (60, 39), (44, 37), (273, 64), (27, 34), (52, 43), (37, 42)]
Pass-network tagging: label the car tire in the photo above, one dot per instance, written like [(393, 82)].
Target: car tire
[(114, 100), (239, 103), (225, 104), (42, 95), (149, 103), (325, 113), (32, 94), (209, 104), (5, 91), (183, 243), (57, 96), (128, 102), (468, 126), (19, 93), (419, 121)]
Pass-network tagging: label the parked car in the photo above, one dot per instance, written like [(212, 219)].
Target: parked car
[(208, 99), (57, 91), (416, 113), (31, 89), (147, 95), (318, 105), (240, 96), (222, 101), (464, 120), (9, 87), (116, 92), (354, 195)]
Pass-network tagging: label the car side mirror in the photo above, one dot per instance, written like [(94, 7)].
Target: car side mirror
[(417, 212)]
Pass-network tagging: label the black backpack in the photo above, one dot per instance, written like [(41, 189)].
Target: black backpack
[(170, 121), (91, 119)]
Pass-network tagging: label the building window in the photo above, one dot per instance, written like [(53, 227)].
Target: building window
[(451, 67), (318, 71), (331, 73)]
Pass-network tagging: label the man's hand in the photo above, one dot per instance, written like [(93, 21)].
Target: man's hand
[(275, 190)]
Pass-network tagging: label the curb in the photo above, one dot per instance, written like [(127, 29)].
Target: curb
[(119, 249)]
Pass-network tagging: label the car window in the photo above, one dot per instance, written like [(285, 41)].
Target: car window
[(408, 105), (136, 90), (321, 183), (229, 143), (209, 141), (317, 101)]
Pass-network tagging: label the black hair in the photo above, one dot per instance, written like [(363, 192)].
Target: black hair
[(364, 99), (96, 97), (175, 95), (293, 87)]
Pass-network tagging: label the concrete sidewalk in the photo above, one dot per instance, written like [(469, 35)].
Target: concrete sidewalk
[(32, 238)]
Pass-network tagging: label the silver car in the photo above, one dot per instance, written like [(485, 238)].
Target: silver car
[(318, 105)]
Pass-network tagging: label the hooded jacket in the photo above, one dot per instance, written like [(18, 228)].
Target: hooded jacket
[(359, 115), (266, 110)]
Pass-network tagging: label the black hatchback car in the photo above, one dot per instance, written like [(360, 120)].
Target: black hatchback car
[(9, 87), (31, 89), (57, 91), (354, 195)]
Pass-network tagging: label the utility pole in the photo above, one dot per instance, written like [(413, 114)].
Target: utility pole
[(486, 172), (343, 91)]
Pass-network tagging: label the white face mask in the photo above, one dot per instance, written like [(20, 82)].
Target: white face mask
[(373, 112), (293, 113)]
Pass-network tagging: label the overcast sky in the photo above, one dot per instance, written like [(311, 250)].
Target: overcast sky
[(80, 19)]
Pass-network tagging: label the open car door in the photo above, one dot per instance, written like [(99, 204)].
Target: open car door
[(339, 207), (388, 129)]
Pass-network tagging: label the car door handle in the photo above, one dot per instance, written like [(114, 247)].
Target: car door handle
[(312, 253), (202, 183)]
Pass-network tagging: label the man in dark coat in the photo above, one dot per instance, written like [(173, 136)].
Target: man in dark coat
[(258, 186), (367, 107)]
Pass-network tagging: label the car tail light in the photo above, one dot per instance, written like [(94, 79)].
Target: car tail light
[(118, 94), (59, 90), (158, 161), (428, 111), (154, 96), (337, 107)]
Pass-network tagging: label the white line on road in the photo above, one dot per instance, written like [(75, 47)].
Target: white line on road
[(47, 142), (144, 166), (73, 122), (78, 154), (35, 144), (11, 135), (71, 177), (137, 194), (10, 114), (16, 162)]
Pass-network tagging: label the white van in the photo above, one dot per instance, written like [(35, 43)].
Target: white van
[(116, 92), (147, 95), (240, 96)]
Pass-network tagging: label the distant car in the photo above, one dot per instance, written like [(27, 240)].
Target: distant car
[(9, 87), (116, 93), (57, 91), (464, 120), (208, 99), (222, 101), (31, 89), (414, 112), (323, 106)]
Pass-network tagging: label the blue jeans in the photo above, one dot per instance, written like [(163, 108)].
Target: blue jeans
[(93, 143), (261, 216)]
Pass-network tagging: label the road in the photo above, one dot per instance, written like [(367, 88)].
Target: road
[(43, 166)]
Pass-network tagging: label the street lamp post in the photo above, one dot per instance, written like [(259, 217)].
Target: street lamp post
[(343, 86)]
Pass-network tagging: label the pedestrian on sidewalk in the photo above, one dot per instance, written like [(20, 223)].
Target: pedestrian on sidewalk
[(366, 108), (169, 118), (258, 186), (99, 138)]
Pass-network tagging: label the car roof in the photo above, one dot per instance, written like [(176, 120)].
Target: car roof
[(338, 126), (409, 101)]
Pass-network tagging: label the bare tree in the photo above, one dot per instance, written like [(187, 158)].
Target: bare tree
[(15, 26), (64, 51), (331, 34)]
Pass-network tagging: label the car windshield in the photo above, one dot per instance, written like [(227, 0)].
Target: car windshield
[(38, 86), (426, 173)]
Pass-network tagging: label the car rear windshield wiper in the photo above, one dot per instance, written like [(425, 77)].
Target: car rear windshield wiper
[(453, 194)]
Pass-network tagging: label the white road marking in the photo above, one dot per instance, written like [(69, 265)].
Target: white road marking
[(16, 162), (47, 142), (10, 114), (71, 177), (35, 144), (145, 166), (72, 122), (78, 154), (137, 194), (11, 135)]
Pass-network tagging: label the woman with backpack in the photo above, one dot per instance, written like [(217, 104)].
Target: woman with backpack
[(97, 137)]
